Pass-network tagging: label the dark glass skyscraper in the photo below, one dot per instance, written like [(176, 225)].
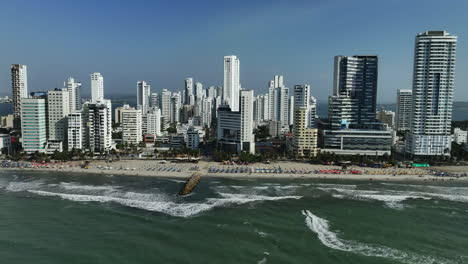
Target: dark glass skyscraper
[(354, 99)]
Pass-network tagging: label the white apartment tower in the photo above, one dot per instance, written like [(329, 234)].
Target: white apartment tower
[(131, 126), (165, 103), (403, 111), (153, 122), (188, 91), (58, 104), (247, 138), (143, 96), (198, 91), (74, 93), (97, 87), (231, 82), (207, 106), (19, 86), (75, 130), (433, 83)]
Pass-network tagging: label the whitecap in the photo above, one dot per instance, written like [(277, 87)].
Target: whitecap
[(23, 186), (330, 239), (80, 187)]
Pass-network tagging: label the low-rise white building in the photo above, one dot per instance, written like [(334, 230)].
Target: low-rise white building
[(460, 136)]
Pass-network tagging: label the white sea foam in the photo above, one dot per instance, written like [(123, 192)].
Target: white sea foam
[(81, 187), (330, 239), (339, 186), (23, 186), (391, 199), (162, 203)]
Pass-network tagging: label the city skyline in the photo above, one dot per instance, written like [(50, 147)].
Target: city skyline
[(297, 55)]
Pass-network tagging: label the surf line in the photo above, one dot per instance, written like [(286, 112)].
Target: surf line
[(330, 239)]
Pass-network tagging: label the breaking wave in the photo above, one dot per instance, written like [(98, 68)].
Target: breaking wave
[(330, 239)]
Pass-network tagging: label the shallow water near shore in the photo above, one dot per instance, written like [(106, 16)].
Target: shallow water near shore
[(86, 218)]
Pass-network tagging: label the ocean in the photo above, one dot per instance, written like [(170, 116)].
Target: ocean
[(85, 218)]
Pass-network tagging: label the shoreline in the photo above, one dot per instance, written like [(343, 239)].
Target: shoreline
[(143, 168)]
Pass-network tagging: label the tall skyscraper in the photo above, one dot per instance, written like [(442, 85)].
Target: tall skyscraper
[(19, 86), (153, 122), (98, 130), (231, 82), (198, 91), (97, 87), (34, 124), (165, 104), (433, 84), (175, 108), (74, 94), (154, 100), (58, 105), (403, 111), (143, 96), (188, 91), (247, 137), (354, 98)]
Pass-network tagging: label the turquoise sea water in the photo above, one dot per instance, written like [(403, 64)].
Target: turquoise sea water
[(76, 218)]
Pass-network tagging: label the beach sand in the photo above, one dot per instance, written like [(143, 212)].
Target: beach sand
[(150, 168)]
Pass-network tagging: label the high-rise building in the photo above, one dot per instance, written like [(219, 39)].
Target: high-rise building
[(19, 86), (207, 107), (403, 111), (247, 138), (198, 91), (98, 130), (387, 117), (231, 82), (165, 103), (97, 87), (193, 138), (278, 96), (58, 105), (131, 126), (175, 108), (74, 94), (75, 131), (212, 92), (188, 91), (261, 110), (354, 98), (153, 122), (154, 100), (143, 96), (433, 84), (33, 124), (305, 138), (118, 112)]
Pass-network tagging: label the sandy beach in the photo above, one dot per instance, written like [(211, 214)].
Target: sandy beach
[(289, 170)]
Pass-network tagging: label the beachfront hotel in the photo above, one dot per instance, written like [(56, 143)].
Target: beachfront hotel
[(433, 84), (19, 86)]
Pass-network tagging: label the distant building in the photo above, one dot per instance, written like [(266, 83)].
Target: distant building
[(175, 108), (33, 124), (153, 122), (97, 87), (404, 108), (143, 96), (74, 94), (19, 86), (7, 121), (246, 110), (386, 117), (188, 92), (165, 103), (118, 112), (433, 84), (460, 136)]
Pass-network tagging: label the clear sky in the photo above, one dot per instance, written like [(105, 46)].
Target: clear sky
[(164, 42)]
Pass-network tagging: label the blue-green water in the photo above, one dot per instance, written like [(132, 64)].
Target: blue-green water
[(64, 218)]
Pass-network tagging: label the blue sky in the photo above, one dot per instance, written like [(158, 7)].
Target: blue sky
[(164, 42)]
